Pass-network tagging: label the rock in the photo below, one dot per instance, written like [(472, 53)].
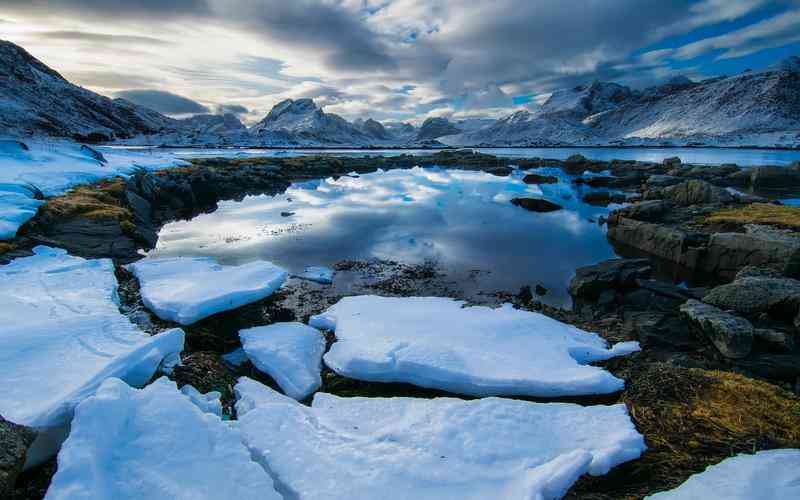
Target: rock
[(590, 281), (672, 162), (93, 153), (536, 204), (752, 295), (649, 211), (539, 179), (662, 241), (206, 371), (663, 180), (731, 335), (287, 214), (774, 177), (141, 208), (774, 366), (739, 178), (694, 192), (778, 341), (656, 330), (14, 442), (727, 253), (540, 290), (758, 272), (603, 198), (575, 164)]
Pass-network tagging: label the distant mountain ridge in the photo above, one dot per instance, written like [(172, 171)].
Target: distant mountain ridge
[(753, 108)]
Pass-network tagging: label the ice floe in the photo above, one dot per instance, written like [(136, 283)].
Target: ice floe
[(291, 353), (439, 343), (53, 166), (153, 443), (322, 275), (188, 289), (62, 334), (767, 475), (443, 448)]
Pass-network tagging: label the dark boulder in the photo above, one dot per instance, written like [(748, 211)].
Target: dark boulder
[(731, 335), (694, 192), (539, 179), (615, 274), (536, 204)]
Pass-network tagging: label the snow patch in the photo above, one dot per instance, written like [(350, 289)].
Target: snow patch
[(188, 289), (323, 275), (440, 343), (443, 448)]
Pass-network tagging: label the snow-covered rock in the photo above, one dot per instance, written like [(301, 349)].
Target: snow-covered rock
[(53, 167), (154, 443), (439, 343), (188, 289), (443, 448), (318, 274), (36, 100), (63, 334), (291, 353), (433, 128), (767, 475)]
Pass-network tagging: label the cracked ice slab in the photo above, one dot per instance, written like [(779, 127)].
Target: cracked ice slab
[(188, 289), (154, 443), (443, 448), (62, 334), (291, 353), (766, 475), (439, 343)]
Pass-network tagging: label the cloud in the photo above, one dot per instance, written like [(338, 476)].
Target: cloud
[(147, 9), (109, 79), (103, 38), (163, 102), (776, 31)]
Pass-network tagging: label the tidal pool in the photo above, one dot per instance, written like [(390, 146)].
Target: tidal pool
[(463, 222)]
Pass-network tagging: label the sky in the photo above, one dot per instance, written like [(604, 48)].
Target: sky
[(392, 60)]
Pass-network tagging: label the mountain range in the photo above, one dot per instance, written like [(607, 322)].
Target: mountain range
[(752, 108)]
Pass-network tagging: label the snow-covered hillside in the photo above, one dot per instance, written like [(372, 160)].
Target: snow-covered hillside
[(760, 109), (34, 99)]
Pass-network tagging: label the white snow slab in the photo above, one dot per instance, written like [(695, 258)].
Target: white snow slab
[(323, 275), (62, 334), (54, 166), (443, 448), (188, 289), (209, 402), (153, 443), (767, 475), (291, 353), (439, 343)]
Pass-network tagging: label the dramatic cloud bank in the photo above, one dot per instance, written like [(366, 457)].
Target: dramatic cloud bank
[(390, 59)]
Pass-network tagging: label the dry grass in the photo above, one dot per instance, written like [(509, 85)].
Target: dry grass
[(97, 201), (692, 419), (6, 247), (758, 213)]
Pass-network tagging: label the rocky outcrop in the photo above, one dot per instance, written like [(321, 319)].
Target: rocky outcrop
[(539, 179), (648, 211), (727, 253), (616, 274), (661, 241), (731, 335), (536, 204), (14, 442), (774, 177), (694, 192), (753, 295)]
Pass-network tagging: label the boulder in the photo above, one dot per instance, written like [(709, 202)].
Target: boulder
[(649, 211), (657, 330), (14, 442), (668, 243), (727, 253), (731, 335), (753, 295), (777, 341), (539, 179), (536, 204), (774, 177), (603, 198), (663, 180), (590, 281), (672, 162), (694, 192)]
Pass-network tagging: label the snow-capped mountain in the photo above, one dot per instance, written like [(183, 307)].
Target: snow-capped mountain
[(433, 128), (760, 109), (301, 122), (36, 100), (217, 130)]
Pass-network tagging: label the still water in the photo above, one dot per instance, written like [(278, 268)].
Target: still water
[(461, 221), (703, 156)]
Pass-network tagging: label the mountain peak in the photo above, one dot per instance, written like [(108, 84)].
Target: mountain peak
[(791, 64)]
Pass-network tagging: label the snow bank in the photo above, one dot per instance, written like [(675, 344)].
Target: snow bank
[(62, 334), (291, 353), (439, 343), (322, 275), (55, 166), (767, 475), (444, 448), (188, 289), (153, 443)]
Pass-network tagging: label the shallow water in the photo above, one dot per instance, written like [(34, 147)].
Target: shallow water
[(461, 221), (702, 156)]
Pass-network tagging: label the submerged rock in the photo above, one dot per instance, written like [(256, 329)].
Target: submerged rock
[(730, 334), (536, 204), (539, 179)]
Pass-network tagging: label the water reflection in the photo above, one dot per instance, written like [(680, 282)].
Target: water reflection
[(463, 221)]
